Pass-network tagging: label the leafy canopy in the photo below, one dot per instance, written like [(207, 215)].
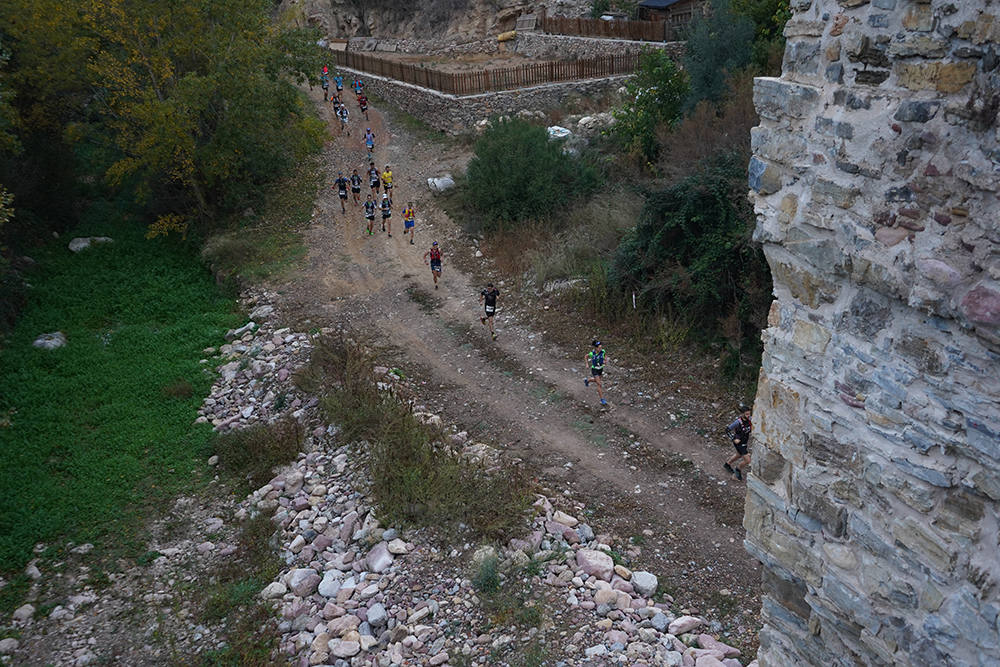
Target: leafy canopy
[(718, 45), (656, 94), (517, 174)]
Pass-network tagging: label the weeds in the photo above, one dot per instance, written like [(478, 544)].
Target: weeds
[(416, 477), (506, 596), (251, 453), (267, 244), (120, 438), (251, 626)]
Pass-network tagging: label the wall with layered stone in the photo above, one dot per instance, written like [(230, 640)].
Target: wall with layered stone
[(456, 114), (873, 498)]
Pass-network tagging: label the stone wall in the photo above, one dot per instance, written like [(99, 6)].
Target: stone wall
[(457, 114), (874, 492), (564, 47)]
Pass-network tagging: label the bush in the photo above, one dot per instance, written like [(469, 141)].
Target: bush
[(518, 175), (656, 94), (252, 453), (692, 253)]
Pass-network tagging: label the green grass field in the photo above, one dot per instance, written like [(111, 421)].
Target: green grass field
[(96, 435)]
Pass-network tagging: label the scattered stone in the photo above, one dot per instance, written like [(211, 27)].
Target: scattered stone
[(8, 645), (50, 341), (84, 242), (273, 590), (24, 613), (684, 624), (595, 563), (644, 583)]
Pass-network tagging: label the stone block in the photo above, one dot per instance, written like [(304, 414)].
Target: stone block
[(809, 498), (919, 17), (829, 452), (802, 56), (925, 544), (763, 178), (776, 99), (947, 77), (803, 283), (827, 192), (768, 465), (790, 593), (924, 46), (912, 111)]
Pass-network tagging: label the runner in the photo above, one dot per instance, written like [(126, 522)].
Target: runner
[(335, 103), (324, 80), (387, 213), (356, 188), (387, 182), (339, 82), (363, 103), (341, 185), (344, 127), (359, 85), (595, 360), (370, 145), (373, 178), (739, 433), (435, 256), (488, 297), (370, 213), (409, 220)]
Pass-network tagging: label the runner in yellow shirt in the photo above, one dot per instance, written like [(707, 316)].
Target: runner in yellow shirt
[(387, 182)]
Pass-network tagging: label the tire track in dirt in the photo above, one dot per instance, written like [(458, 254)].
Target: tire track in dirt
[(526, 393)]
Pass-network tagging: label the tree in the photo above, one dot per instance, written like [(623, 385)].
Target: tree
[(198, 97), (655, 96), (718, 45), (517, 174), (769, 18)]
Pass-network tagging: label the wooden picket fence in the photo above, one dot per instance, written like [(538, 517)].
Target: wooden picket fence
[(647, 31), (484, 81)]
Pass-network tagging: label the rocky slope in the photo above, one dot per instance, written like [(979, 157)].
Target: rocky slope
[(426, 19)]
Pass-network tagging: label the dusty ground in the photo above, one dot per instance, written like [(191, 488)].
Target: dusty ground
[(648, 466)]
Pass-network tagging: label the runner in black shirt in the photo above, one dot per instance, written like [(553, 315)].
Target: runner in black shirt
[(341, 184), (488, 297), (356, 188), (370, 207)]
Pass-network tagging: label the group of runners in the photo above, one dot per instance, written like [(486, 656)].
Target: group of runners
[(336, 99), (380, 203)]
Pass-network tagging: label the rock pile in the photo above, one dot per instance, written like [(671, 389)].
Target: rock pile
[(357, 592)]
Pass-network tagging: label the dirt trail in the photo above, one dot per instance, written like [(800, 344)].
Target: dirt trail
[(628, 463)]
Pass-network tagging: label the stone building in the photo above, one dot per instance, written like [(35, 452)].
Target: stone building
[(873, 499)]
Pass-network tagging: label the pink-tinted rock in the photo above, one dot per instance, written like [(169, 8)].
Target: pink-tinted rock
[(684, 624), (322, 542), (981, 305), (303, 581), (339, 627), (347, 526), (595, 563), (710, 642), (890, 236), (733, 662), (379, 559), (708, 661), (939, 272), (616, 637)]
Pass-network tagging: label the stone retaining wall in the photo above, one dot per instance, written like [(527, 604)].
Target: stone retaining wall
[(873, 499), (455, 115), (563, 47)]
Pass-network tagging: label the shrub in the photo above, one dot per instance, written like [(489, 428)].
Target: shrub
[(251, 453), (415, 477), (517, 175), (656, 94), (692, 253)]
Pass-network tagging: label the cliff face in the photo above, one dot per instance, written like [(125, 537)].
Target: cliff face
[(875, 490), (432, 19)]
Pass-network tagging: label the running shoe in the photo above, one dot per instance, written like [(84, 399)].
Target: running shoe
[(603, 402), (494, 336), (728, 467), (586, 382), (739, 474), (482, 320)]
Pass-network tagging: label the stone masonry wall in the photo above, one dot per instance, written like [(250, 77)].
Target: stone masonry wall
[(565, 47), (873, 498), (457, 114)]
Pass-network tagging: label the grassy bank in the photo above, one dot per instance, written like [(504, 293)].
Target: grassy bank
[(94, 435)]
